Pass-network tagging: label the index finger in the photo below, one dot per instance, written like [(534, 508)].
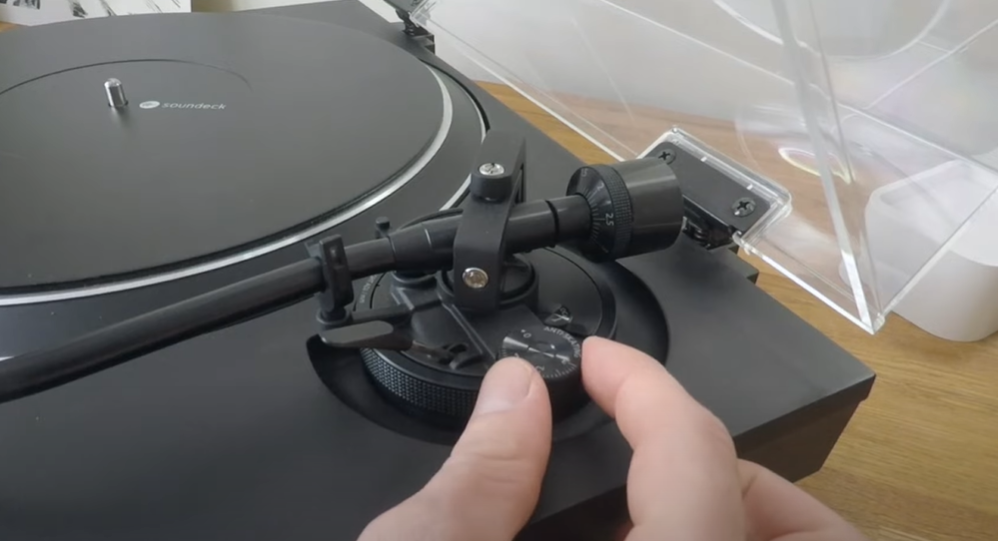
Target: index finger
[(683, 482)]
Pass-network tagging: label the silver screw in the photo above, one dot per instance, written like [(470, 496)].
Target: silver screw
[(744, 207), (492, 169), (115, 93), (475, 278)]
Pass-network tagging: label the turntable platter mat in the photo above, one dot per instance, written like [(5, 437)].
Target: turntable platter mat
[(239, 129)]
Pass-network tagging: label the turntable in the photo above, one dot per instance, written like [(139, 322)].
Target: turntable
[(255, 266)]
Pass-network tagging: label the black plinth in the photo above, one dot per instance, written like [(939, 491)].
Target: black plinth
[(232, 435)]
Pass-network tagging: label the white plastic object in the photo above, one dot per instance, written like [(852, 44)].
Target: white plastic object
[(957, 298)]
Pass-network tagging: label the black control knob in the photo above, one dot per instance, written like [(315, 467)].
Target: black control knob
[(636, 207), (557, 356)]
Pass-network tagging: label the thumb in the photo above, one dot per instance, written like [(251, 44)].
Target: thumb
[(488, 488)]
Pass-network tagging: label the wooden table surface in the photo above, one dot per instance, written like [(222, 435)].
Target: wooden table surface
[(919, 462)]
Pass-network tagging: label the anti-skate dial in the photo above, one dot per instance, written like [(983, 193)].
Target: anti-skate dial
[(557, 356)]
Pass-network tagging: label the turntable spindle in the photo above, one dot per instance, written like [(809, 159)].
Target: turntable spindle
[(115, 93)]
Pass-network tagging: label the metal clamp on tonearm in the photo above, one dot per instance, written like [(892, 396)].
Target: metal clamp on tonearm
[(609, 212)]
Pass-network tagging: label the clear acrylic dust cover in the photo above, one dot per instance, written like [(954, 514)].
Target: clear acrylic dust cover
[(870, 126)]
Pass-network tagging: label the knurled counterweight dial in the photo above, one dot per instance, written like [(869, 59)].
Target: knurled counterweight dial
[(636, 207), (610, 210)]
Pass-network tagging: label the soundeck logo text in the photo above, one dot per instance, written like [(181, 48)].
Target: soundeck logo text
[(158, 105)]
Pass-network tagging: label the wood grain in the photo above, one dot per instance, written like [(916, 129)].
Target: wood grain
[(920, 460)]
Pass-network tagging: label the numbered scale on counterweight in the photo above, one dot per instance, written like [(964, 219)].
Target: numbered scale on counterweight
[(557, 356)]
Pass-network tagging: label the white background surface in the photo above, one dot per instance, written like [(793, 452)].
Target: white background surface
[(52, 11), (380, 7)]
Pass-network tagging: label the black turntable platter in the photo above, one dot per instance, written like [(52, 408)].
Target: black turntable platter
[(239, 131)]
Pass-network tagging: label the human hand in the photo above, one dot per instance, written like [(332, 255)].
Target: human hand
[(685, 481), (488, 487)]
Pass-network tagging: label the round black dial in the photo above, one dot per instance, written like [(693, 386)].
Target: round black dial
[(557, 355), (635, 207), (611, 215)]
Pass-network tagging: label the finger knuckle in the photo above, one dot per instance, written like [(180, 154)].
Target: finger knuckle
[(716, 433), (496, 461), (500, 463)]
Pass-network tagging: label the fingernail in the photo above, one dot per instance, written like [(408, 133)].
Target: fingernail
[(505, 386)]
